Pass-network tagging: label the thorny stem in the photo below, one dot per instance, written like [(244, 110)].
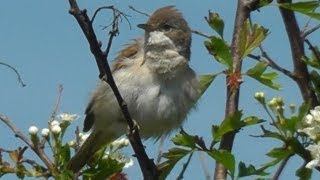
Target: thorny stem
[(184, 167), (15, 71), (280, 168), (244, 8)]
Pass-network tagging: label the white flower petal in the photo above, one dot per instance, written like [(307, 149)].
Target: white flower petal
[(68, 116), (45, 132), (56, 129), (313, 163), (33, 130)]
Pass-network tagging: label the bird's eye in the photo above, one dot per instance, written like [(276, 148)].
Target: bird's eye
[(166, 28)]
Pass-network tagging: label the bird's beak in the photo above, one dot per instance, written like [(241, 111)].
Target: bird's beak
[(146, 27)]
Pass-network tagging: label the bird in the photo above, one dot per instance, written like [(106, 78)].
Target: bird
[(154, 78)]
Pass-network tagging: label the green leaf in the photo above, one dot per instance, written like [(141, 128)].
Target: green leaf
[(64, 155), (205, 81), (225, 158), (220, 50), (304, 173), (257, 73), (215, 22), (251, 38), (270, 134), (105, 168), (252, 120), (250, 170), (173, 156), (185, 140), (279, 153), (231, 123), (304, 7)]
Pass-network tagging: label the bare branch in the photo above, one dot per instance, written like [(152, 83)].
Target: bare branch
[(56, 104), (138, 11), (184, 167), (16, 72), (302, 77), (280, 168), (147, 165), (200, 33), (304, 34)]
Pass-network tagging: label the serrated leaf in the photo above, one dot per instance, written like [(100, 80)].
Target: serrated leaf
[(225, 158), (270, 134), (304, 7), (220, 50), (185, 140), (64, 155), (257, 73), (230, 123), (173, 156), (105, 168), (250, 170), (215, 22), (205, 81), (251, 38)]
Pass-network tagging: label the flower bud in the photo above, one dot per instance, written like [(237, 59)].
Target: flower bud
[(33, 130), (45, 132)]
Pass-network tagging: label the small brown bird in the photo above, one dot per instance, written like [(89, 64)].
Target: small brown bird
[(154, 78)]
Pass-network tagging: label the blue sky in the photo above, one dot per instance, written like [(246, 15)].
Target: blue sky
[(45, 44)]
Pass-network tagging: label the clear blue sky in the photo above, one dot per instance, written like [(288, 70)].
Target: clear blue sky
[(45, 44)]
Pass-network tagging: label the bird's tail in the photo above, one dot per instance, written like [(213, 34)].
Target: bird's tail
[(93, 143)]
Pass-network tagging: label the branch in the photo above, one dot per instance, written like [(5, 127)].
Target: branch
[(304, 34), (15, 71), (244, 8), (302, 77), (39, 151), (184, 167), (313, 49), (147, 165), (138, 11), (280, 168)]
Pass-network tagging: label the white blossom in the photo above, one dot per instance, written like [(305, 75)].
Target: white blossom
[(56, 129), (120, 142), (45, 132), (316, 113), (121, 158), (259, 95), (68, 117), (33, 130), (315, 154), (72, 143), (54, 123)]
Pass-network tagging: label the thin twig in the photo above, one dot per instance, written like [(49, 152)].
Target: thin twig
[(184, 167), (160, 149), (56, 104), (138, 11), (204, 165), (304, 34), (41, 154), (280, 168), (16, 72), (200, 34)]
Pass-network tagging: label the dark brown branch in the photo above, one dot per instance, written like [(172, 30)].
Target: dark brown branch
[(184, 167), (16, 72), (232, 102), (147, 165), (302, 77), (39, 151), (280, 168)]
